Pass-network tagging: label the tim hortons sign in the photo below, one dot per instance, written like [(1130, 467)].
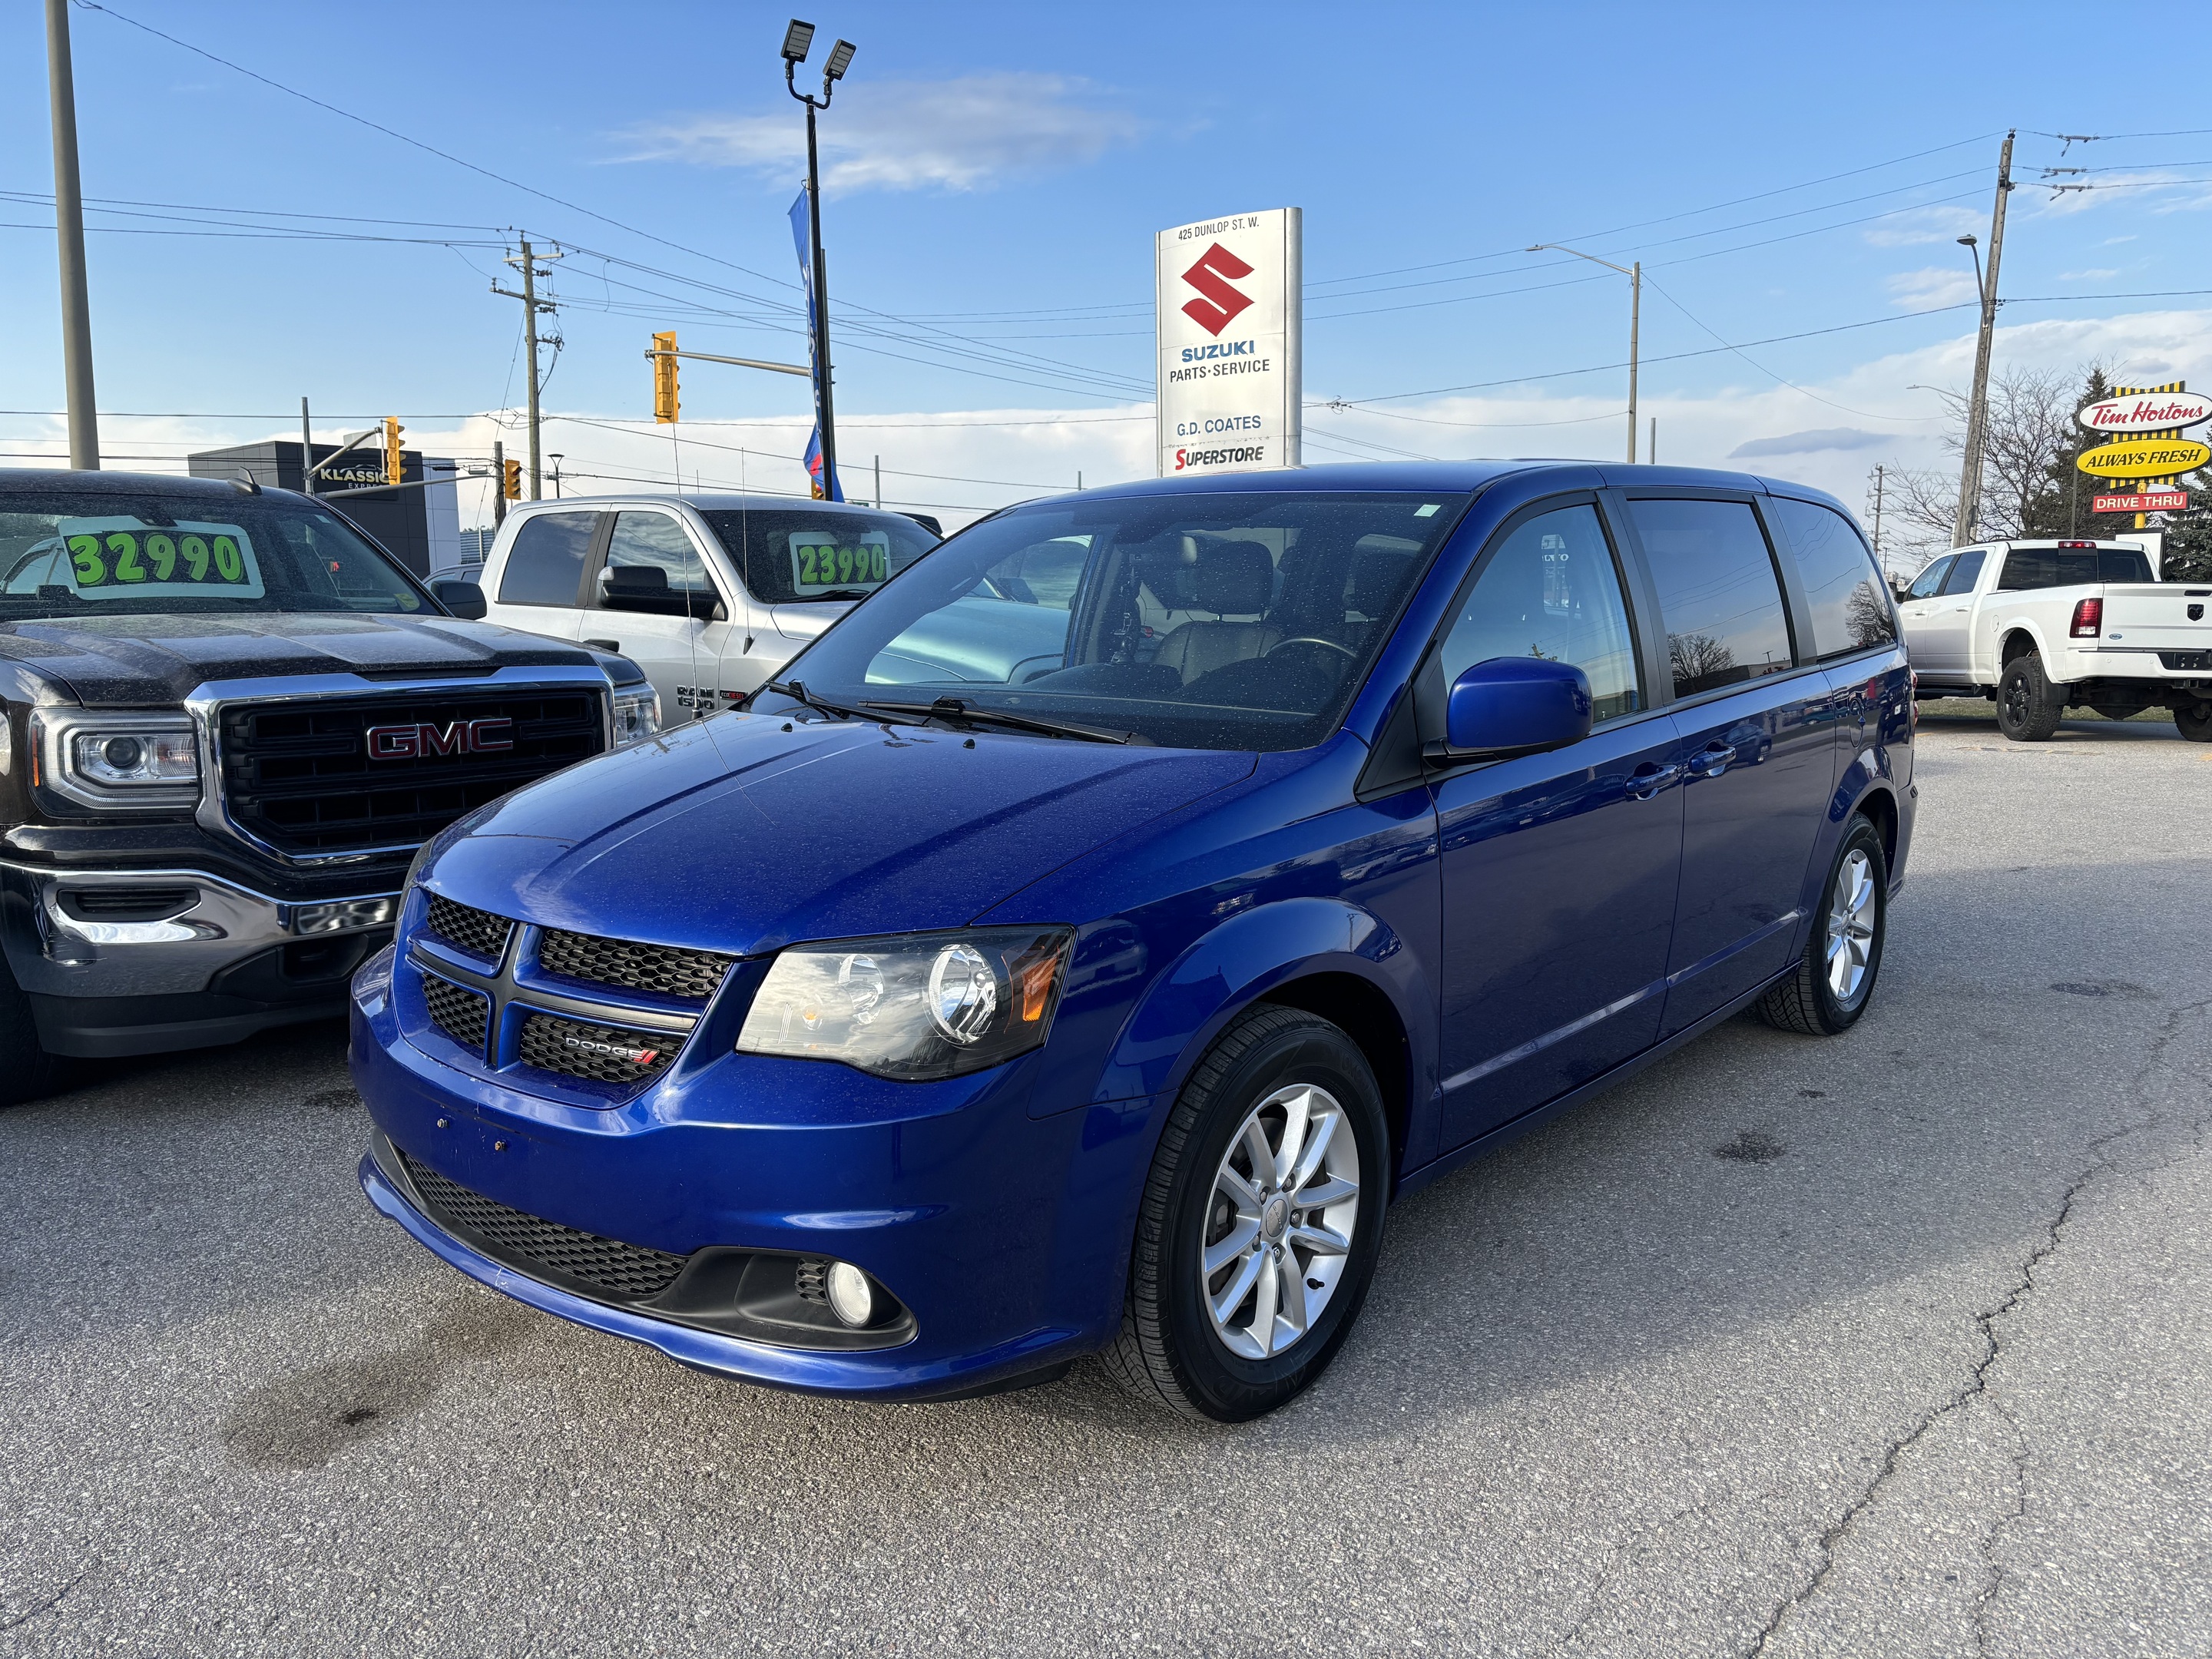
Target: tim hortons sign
[(2146, 411)]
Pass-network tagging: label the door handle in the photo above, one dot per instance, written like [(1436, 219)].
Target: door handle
[(606, 645), (1713, 760), (1648, 780), (1962, 607)]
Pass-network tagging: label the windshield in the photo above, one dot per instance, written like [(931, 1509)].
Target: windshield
[(112, 554), (1201, 622), (792, 557)]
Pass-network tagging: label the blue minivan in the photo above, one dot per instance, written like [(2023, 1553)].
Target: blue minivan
[(1086, 938)]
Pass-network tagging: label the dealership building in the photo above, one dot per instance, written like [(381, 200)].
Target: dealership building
[(419, 524)]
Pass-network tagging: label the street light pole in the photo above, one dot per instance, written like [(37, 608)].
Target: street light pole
[(1965, 528), (68, 226), (1635, 274), (798, 38)]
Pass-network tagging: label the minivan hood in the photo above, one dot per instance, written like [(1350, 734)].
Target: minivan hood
[(140, 661), (746, 833)]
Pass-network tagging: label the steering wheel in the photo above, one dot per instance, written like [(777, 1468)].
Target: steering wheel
[(1310, 639)]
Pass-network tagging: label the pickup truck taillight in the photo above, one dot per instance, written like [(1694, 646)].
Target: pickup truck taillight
[(2088, 619)]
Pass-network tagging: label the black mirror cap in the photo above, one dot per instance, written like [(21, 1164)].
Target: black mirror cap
[(460, 596)]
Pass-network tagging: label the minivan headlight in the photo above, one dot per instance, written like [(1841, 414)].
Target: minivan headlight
[(637, 714), (914, 1006)]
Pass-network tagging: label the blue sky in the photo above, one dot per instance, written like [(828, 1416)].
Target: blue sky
[(996, 173)]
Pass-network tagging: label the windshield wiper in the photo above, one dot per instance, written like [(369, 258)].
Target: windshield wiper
[(834, 594), (797, 691), (956, 710)]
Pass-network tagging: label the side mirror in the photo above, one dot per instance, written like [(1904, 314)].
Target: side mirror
[(1512, 705), (460, 596)]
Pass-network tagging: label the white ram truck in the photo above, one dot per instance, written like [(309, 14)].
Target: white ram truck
[(2040, 626)]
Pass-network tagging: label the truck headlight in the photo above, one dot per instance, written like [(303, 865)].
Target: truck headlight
[(145, 761), (914, 1006), (637, 714)]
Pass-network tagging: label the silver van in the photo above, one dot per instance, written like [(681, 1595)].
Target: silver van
[(709, 594)]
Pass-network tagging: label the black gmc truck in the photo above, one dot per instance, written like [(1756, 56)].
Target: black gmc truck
[(231, 720)]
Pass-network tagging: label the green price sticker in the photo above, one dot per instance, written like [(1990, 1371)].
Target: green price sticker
[(820, 562), (127, 558)]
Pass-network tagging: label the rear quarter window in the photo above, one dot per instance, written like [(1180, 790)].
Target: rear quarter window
[(1719, 593), (1848, 599)]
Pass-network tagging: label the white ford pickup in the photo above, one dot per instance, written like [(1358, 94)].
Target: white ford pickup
[(2038, 626)]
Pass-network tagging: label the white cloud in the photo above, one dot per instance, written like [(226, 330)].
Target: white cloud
[(1923, 224), (2097, 274), (1930, 287), (1815, 442), (960, 134)]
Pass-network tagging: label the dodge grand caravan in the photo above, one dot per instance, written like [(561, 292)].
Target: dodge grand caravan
[(912, 1032)]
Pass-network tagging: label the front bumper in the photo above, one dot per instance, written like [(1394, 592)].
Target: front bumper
[(1003, 1234), (220, 966)]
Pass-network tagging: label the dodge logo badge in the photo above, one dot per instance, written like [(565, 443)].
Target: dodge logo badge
[(484, 736), (612, 1050)]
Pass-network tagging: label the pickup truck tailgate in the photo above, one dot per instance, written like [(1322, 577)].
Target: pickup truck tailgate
[(2155, 615)]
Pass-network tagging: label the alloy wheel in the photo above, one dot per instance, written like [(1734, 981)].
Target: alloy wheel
[(1280, 1221), (1850, 925)]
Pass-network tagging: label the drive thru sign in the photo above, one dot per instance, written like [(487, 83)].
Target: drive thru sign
[(1227, 330)]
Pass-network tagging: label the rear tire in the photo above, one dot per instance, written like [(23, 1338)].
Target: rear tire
[(27, 1071), (2195, 723), (1301, 1083), (1834, 981), (2028, 704)]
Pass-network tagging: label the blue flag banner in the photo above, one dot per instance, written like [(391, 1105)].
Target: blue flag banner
[(824, 490)]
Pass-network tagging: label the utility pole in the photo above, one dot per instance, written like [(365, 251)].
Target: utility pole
[(797, 40), (1635, 274), (1652, 450), (533, 308), (69, 234), (1967, 526), (1880, 474), (879, 483)]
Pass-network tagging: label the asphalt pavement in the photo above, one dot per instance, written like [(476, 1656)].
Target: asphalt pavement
[(1899, 1344)]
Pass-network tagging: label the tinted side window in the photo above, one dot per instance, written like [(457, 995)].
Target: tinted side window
[(1844, 591), (2124, 564), (546, 562), (1965, 574), (1930, 582), (1551, 591), (657, 539), (1718, 594)]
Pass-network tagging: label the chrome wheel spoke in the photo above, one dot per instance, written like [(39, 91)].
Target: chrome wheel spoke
[(1266, 1297), (1298, 1125), (1256, 1148), (1241, 1193), (1290, 1295), (1232, 1244), (1320, 1241), (1325, 1194), (1239, 1286), (1318, 1137)]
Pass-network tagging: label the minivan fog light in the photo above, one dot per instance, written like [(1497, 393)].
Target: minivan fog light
[(852, 1298)]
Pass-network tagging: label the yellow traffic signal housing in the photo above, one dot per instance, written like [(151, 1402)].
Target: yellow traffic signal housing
[(393, 463), (664, 378), (511, 485)]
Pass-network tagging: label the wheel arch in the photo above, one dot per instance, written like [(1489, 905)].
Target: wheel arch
[(2017, 639), (1369, 1018)]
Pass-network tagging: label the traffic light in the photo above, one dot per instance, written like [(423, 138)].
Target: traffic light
[(393, 464), (664, 378), (511, 485)]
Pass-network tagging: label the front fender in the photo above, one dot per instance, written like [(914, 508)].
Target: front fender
[(1253, 953)]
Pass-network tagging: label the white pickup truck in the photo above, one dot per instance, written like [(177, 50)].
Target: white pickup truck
[(2041, 626)]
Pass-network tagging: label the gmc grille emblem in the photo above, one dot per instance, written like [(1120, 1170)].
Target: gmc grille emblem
[(614, 1050), (484, 737)]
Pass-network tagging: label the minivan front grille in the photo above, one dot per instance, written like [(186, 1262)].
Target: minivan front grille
[(669, 969), (477, 932), (462, 1014), (300, 776), (624, 1272), (598, 1054)]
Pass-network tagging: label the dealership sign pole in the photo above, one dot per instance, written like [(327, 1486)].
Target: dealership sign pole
[(2145, 424), (1228, 326)]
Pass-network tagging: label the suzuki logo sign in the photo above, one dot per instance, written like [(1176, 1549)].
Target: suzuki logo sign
[(1219, 303), (1228, 322), (484, 736)]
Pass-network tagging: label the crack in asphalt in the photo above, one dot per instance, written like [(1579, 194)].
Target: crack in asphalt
[(1976, 1385), (1617, 1553), (51, 1602)]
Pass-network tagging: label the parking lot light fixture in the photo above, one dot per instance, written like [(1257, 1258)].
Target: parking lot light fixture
[(840, 59), (797, 40)]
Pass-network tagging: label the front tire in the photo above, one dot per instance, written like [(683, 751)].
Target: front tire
[(27, 1071), (1834, 978), (2195, 722), (1260, 1222), (2028, 704)]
